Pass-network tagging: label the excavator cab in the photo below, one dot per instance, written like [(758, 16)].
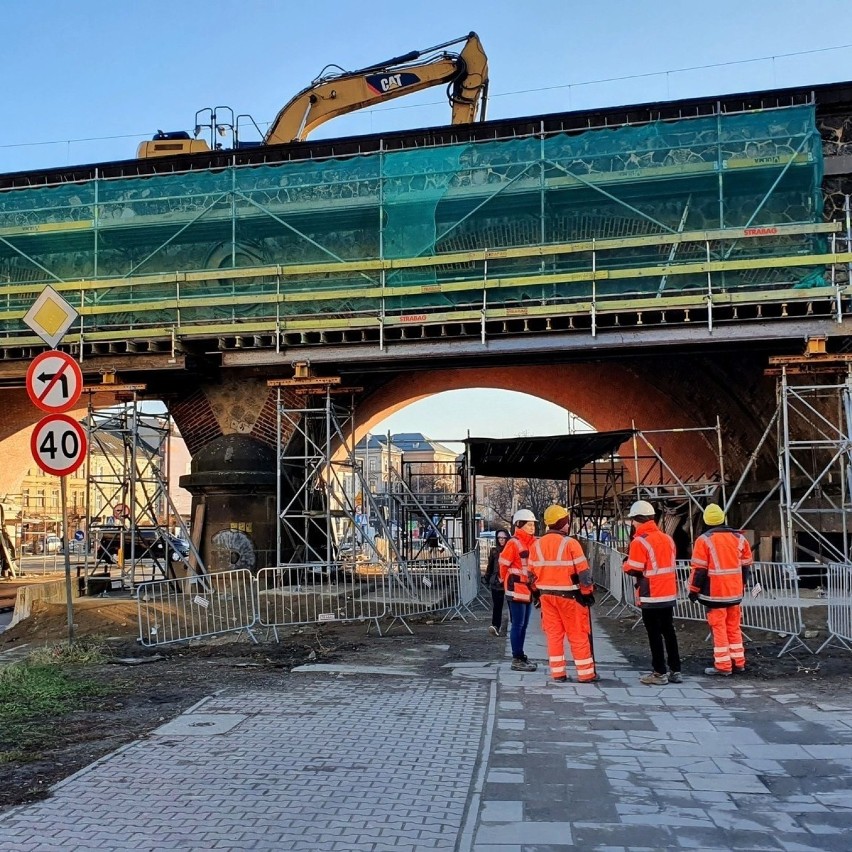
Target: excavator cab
[(165, 144)]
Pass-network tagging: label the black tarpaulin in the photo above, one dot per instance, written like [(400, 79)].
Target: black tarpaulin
[(551, 457)]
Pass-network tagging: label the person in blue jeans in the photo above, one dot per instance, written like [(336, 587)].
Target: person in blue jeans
[(516, 581)]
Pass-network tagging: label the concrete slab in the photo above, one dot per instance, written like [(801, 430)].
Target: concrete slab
[(199, 725)]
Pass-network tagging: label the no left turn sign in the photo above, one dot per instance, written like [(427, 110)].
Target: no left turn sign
[(54, 381), (58, 444)]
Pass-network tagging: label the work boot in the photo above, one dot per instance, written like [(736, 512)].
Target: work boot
[(493, 631), (716, 672), (594, 679), (675, 677), (654, 679), (563, 679), (519, 664), (739, 669)]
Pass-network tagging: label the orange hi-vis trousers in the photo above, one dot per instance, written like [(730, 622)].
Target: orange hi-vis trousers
[(728, 648), (563, 618)]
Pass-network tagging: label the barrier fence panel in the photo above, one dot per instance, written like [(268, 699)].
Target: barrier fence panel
[(839, 606), (469, 578), (771, 601), (424, 586), (314, 594), (684, 607), (606, 565), (195, 607)]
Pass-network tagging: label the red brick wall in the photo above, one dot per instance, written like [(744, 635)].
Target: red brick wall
[(195, 420), (607, 395)]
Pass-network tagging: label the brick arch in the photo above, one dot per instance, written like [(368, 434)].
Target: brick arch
[(608, 395)]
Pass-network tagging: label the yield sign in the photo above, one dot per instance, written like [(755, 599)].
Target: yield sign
[(54, 381), (58, 444)]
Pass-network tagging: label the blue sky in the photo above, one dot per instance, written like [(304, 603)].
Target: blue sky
[(106, 68), (88, 80)]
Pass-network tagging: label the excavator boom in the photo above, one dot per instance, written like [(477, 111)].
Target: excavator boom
[(465, 73)]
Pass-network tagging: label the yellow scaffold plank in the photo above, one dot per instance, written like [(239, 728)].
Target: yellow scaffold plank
[(269, 325), (449, 259), (350, 294)]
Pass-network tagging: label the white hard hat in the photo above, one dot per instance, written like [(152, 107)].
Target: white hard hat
[(641, 508), (523, 515)]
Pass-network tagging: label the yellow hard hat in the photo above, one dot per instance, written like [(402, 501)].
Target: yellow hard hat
[(713, 515), (554, 514)]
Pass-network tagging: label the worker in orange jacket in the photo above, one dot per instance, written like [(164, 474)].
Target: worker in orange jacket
[(516, 580), (563, 580), (720, 562), (651, 561)]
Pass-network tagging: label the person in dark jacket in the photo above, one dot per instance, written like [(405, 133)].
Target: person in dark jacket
[(492, 580)]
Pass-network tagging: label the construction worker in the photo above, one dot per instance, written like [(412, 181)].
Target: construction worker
[(651, 560), (516, 581), (720, 562), (563, 579)]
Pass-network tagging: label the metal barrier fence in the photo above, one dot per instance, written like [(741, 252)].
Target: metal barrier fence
[(195, 607), (232, 601), (422, 587), (314, 594), (771, 602), (839, 606)]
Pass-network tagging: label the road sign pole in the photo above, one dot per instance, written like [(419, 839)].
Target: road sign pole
[(67, 551)]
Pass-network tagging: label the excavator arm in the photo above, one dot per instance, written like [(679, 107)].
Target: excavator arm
[(465, 73)]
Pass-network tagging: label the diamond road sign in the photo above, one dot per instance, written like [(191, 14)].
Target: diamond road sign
[(50, 316)]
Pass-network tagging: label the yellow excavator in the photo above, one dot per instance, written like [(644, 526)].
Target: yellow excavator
[(336, 92)]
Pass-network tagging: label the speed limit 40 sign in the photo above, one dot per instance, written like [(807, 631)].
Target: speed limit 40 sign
[(58, 444)]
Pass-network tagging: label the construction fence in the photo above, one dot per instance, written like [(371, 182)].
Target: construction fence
[(291, 595), (772, 602), (839, 606)]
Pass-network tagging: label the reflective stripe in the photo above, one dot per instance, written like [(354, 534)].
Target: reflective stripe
[(571, 588), (663, 599), (718, 600), (586, 662), (655, 569)]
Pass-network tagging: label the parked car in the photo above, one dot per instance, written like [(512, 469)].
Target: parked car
[(148, 544), (49, 544)]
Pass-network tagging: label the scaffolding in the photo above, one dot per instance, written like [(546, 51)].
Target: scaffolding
[(814, 426), (327, 508), (724, 208), (601, 492), (129, 512)]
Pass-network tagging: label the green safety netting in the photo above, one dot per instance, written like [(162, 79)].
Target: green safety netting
[(757, 170)]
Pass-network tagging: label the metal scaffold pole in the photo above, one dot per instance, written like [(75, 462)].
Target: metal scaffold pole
[(814, 446)]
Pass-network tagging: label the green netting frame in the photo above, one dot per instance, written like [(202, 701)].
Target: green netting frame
[(753, 170)]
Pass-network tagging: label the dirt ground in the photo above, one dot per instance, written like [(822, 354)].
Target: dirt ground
[(142, 697)]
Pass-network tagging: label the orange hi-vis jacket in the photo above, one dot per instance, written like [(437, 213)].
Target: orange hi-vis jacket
[(558, 566), (513, 566), (651, 560), (720, 560)]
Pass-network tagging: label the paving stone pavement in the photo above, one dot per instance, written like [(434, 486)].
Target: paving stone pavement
[(488, 760)]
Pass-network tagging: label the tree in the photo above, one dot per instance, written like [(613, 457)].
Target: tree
[(503, 496)]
